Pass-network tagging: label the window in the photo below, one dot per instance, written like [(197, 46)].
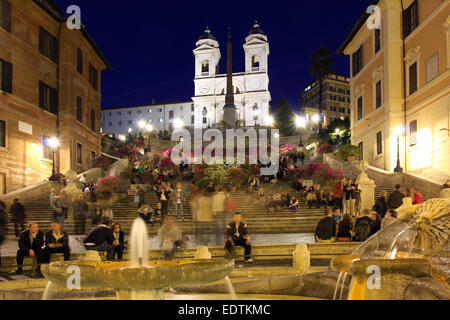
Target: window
[(361, 147), (93, 124), (110, 124), (377, 40), (205, 67), (413, 78), (119, 113), (93, 159), (379, 143), (48, 98), (357, 61), (47, 151), (192, 119), (48, 45), (333, 109), (205, 120), (120, 123), (5, 15), (79, 109), (2, 134), (6, 74), (192, 108), (410, 18), (255, 63), (171, 115), (93, 76), (360, 108), (130, 122), (413, 133), (129, 112), (80, 61), (378, 95), (79, 153), (432, 67)]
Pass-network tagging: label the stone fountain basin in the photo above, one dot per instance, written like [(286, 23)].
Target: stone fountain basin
[(124, 276)]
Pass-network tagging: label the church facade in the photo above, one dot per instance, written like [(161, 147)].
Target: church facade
[(251, 87)]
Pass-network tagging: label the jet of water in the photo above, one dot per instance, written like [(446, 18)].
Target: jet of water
[(139, 243)]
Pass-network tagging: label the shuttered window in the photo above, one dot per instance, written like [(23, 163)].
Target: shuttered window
[(6, 75), (377, 40), (79, 109), (48, 45), (93, 77), (410, 19), (360, 108), (5, 15), (48, 98), (2, 134), (378, 92), (379, 143), (93, 126), (357, 61), (79, 153), (80, 61), (413, 78)]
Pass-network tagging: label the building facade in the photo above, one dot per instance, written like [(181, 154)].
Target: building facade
[(400, 86), (336, 99), (162, 117), (251, 87), (49, 88)]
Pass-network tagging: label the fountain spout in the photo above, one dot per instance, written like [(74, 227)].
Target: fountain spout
[(139, 243)]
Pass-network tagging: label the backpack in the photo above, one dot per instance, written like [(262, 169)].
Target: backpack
[(362, 230)]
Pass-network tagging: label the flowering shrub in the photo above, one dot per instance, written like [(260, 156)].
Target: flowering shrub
[(106, 187), (286, 149), (325, 148), (103, 162), (322, 174), (167, 164), (57, 177), (127, 151)]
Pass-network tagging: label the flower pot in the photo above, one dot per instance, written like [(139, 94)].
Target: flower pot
[(351, 158)]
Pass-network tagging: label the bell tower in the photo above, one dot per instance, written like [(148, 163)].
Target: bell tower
[(207, 55), (256, 49)]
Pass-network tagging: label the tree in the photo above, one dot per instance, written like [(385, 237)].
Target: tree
[(335, 137), (321, 64), (284, 118)]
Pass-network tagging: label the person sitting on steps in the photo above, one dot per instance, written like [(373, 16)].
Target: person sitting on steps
[(237, 235)]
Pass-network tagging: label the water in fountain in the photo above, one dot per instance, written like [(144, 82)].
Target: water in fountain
[(230, 288), (338, 283), (46, 295), (139, 243)]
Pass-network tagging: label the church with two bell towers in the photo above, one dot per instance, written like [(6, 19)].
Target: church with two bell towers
[(251, 87)]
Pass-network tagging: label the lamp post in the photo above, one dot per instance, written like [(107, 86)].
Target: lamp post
[(53, 143), (398, 131), (301, 124)]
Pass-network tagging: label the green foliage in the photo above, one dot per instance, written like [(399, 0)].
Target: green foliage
[(349, 151), (284, 118), (330, 135)]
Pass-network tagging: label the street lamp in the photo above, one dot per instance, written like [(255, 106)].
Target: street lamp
[(300, 122), (149, 130), (270, 121), (53, 143), (398, 131), (178, 123)]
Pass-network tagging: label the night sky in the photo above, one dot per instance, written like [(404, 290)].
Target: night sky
[(150, 43)]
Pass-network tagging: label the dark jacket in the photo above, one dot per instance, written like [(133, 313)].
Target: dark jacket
[(99, 235), (344, 230), (18, 211), (326, 228), (80, 208), (395, 200), (49, 239), (237, 233), (25, 241), (121, 237), (380, 207)]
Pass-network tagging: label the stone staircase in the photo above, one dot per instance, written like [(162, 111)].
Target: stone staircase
[(260, 221)]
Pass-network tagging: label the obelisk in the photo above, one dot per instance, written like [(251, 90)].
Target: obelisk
[(229, 110)]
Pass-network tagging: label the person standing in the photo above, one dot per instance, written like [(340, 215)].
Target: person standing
[(58, 212), (56, 241), (31, 243), (218, 212), (178, 201), (339, 193), (237, 235), (65, 203), (348, 197), (357, 196), (80, 211), (18, 212), (395, 198)]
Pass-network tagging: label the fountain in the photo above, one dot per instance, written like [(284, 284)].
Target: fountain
[(138, 279)]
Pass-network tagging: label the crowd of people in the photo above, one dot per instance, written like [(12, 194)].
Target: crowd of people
[(345, 224)]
